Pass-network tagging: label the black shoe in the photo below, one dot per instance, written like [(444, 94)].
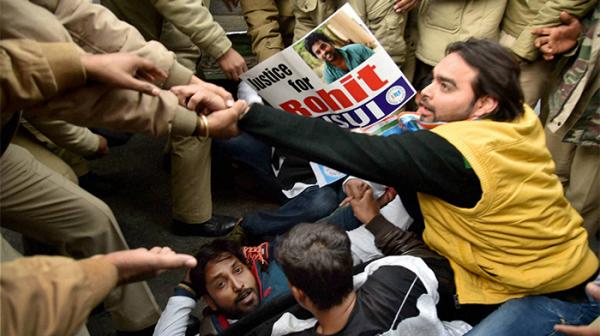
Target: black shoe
[(217, 226)]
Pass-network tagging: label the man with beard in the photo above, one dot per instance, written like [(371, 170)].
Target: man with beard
[(338, 61), (232, 280)]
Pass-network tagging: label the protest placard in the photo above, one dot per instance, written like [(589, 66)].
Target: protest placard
[(340, 73)]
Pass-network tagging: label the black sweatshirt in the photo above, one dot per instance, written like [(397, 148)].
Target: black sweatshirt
[(414, 162)]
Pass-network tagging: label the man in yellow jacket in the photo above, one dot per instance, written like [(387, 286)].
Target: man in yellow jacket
[(482, 184)]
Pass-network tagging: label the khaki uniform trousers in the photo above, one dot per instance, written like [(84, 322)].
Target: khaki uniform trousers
[(41, 204), (190, 156), (578, 168)]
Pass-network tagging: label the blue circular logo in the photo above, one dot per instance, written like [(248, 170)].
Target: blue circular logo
[(395, 95)]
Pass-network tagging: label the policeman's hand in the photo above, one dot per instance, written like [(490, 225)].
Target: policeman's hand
[(223, 124), (402, 6), (232, 64), (557, 40), (123, 70), (141, 264), (365, 207), (203, 97)]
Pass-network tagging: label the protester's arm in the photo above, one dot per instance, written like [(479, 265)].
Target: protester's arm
[(420, 161), (194, 19), (263, 27), (547, 16), (390, 239), (174, 319), (56, 294)]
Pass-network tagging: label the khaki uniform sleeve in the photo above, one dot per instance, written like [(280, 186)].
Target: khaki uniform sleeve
[(262, 17), (77, 139), (97, 30), (51, 295), (193, 19), (31, 72), (310, 13), (547, 16)]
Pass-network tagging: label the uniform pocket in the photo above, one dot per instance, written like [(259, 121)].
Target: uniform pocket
[(388, 27), (444, 15)]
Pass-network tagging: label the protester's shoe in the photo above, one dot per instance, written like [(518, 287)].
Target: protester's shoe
[(237, 234), (258, 253), (217, 226)]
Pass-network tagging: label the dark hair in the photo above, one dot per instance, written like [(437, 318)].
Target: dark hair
[(209, 252), (498, 75), (312, 39), (316, 259)]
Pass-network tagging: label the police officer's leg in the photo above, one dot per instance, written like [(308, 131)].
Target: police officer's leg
[(41, 204)]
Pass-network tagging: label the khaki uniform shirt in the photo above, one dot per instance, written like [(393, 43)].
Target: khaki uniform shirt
[(51, 295), (270, 25)]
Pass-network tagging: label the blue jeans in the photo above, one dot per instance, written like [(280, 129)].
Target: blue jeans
[(312, 204), (342, 217), (254, 154), (535, 315)]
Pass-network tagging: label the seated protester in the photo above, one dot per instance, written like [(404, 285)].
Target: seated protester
[(397, 293), (232, 280), (289, 179)]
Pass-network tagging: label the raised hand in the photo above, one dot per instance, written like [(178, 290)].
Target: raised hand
[(365, 206), (141, 263)]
